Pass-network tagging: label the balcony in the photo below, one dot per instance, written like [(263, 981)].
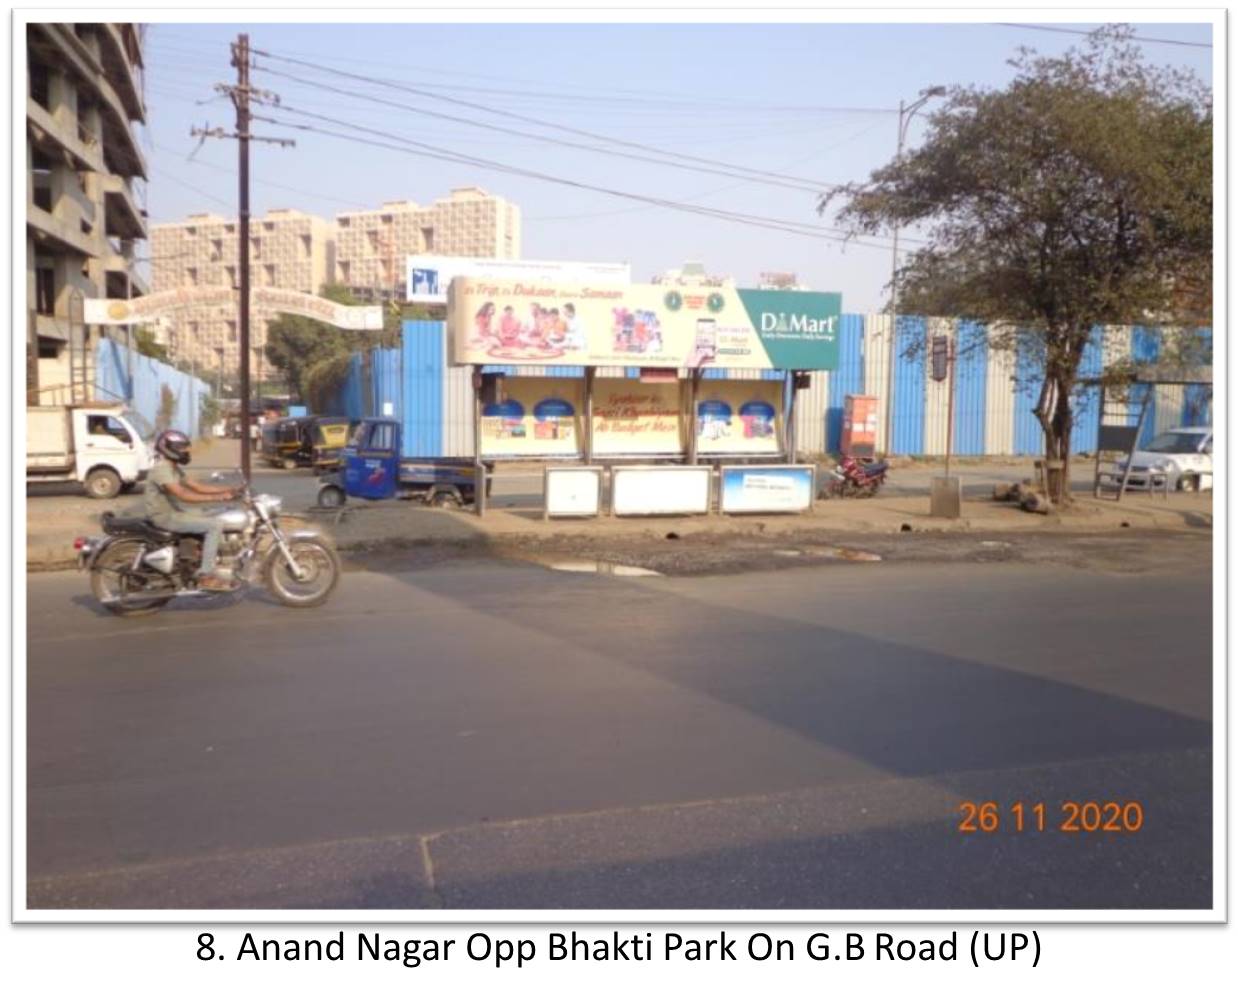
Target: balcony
[(57, 45), (47, 228), (52, 327), (124, 218), (121, 71), (48, 130)]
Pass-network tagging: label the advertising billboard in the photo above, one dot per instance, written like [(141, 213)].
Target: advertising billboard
[(735, 417), (573, 491), (660, 490), (535, 416), (534, 322), (775, 488), (427, 278), (635, 419)]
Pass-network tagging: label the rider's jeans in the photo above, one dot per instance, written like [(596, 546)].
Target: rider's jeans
[(199, 525)]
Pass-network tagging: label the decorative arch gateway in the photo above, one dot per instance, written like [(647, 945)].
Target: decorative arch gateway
[(132, 311)]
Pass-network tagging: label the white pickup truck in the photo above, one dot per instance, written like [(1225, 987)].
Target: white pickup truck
[(103, 447)]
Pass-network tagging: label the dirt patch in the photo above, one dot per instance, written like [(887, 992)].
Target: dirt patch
[(1133, 551)]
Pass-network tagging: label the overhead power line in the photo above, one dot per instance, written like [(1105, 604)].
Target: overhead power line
[(644, 97), (1082, 31), (715, 164), (807, 186), (264, 183), (399, 143)]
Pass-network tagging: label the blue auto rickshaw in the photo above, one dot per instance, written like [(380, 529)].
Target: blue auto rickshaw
[(372, 468)]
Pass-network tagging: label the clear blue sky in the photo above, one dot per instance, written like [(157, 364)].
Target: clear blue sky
[(813, 101)]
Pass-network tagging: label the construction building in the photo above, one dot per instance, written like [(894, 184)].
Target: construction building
[(371, 245), (288, 249), (361, 250), (84, 200)]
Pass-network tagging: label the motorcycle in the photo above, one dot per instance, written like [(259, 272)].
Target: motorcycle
[(852, 479), (138, 568)]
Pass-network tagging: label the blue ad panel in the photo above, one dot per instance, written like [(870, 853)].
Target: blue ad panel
[(847, 379), (421, 404), (971, 379), (907, 422), (766, 489)]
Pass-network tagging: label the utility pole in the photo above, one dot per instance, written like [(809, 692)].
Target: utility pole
[(242, 93), (240, 59), (905, 114)]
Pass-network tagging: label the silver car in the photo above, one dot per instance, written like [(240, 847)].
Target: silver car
[(1183, 455)]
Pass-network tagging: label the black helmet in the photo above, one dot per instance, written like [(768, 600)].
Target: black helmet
[(173, 445)]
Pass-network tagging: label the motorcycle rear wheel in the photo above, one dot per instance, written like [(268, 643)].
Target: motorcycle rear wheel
[(322, 569), (111, 578)]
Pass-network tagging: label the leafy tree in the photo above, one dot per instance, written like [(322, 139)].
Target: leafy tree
[(167, 408), (1078, 195), (209, 414), (144, 342), (310, 353)]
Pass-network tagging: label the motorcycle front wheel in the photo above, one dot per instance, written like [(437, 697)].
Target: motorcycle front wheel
[(121, 590), (319, 568)]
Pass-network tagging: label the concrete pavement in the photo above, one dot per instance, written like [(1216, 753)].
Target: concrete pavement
[(488, 735)]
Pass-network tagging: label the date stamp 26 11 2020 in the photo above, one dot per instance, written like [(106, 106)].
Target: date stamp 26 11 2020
[(1091, 816)]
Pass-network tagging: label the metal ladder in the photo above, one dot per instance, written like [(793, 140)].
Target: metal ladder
[(1120, 437)]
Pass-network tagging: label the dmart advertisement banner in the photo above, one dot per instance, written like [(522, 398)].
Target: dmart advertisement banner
[(739, 417), (536, 322), (536, 416)]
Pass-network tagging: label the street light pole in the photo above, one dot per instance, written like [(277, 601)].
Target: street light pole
[(905, 114)]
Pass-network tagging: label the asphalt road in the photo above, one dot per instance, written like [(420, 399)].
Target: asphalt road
[(487, 735)]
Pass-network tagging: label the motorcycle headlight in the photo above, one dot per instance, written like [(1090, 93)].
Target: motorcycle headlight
[(271, 504)]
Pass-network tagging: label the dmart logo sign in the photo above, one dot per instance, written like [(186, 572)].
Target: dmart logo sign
[(782, 322), (798, 329)]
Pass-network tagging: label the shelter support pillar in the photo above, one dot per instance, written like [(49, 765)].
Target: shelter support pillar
[(694, 385), (479, 468), (590, 376)]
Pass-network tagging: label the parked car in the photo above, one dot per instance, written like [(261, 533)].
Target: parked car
[(1183, 454)]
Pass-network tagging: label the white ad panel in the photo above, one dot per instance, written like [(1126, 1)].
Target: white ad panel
[(428, 277), (772, 488), (660, 490), (573, 491)]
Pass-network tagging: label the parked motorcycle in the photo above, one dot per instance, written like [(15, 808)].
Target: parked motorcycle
[(138, 568), (852, 479)]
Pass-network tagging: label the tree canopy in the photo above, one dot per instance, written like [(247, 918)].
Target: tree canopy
[(1078, 195), (314, 356)]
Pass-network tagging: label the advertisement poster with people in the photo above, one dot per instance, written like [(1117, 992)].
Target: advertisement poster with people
[(537, 322), (739, 416), (535, 416)]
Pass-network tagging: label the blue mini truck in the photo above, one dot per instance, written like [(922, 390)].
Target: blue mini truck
[(372, 467)]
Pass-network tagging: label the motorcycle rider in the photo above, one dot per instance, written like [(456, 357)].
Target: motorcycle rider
[(169, 490)]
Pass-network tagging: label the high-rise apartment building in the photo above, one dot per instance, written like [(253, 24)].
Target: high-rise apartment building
[(361, 250), (83, 207), (371, 245), (288, 249)]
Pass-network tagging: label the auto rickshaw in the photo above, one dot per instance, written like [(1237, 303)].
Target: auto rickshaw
[(281, 442), (323, 440), (372, 467)]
